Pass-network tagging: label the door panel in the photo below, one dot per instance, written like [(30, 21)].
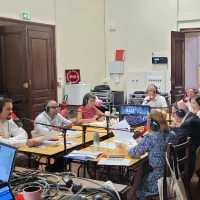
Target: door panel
[(177, 65), (41, 69), (13, 66)]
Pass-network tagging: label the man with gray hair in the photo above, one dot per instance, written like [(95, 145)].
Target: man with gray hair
[(189, 127)]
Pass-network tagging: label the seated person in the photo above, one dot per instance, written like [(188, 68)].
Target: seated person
[(189, 127), (154, 99), (10, 133), (190, 93), (88, 112), (156, 146), (195, 104), (50, 116)]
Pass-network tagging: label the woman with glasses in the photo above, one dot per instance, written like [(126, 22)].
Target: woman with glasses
[(88, 112)]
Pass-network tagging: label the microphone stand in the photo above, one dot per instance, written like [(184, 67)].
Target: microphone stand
[(63, 129)]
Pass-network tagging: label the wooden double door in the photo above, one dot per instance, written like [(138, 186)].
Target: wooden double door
[(27, 67)]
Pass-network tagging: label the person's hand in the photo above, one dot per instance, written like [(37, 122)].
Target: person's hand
[(175, 124), (32, 143), (101, 119), (2, 135), (95, 117), (120, 145), (69, 125), (139, 139)]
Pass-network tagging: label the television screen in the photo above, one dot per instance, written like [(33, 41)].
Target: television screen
[(72, 76), (134, 114)]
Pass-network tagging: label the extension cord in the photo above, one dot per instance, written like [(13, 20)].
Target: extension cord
[(110, 186)]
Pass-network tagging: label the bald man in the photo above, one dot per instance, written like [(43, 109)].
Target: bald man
[(50, 116), (153, 97), (189, 127)]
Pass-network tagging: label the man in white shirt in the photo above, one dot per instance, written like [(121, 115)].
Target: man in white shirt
[(50, 116), (10, 133), (153, 98)]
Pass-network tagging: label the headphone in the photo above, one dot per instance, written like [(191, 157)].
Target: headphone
[(179, 112), (87, 97), (154, 125), (46, 107), (155, 89)]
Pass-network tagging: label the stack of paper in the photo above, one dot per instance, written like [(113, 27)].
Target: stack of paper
[(49, 135), (123, 133), (105, 161), (77, 153), (107, 145)]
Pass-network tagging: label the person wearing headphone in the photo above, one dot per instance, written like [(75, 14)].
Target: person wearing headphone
[(156, 146), (153, 98), (10, 133), (50, 116), (189, 93), (189, 127), (88, 112)]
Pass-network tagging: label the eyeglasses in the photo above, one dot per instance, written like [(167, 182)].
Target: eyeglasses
[(54, 107)]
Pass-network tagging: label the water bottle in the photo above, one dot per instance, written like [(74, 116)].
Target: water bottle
[(96, 141)]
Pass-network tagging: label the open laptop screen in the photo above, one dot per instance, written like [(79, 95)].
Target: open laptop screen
[(135, 115), (5, 192), (7, 159)]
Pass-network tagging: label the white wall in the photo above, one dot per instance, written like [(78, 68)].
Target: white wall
[(188, 14), (80, 39), (142, 28), (41, 10)]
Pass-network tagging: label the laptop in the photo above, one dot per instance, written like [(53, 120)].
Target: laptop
[(7, 161), (5, 192), (135, 115)]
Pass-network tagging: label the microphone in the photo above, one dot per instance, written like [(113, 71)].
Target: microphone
[(16, 120), (136, 135), (150, 99), (185, 99), (143, 130)]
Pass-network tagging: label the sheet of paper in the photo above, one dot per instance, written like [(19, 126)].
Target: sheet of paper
[(70, 133), (98, 123), (123, 162), (49, 135), (107, 145), (124, 135)]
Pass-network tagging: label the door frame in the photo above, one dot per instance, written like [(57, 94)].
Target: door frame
[(189, 30), (18, 21)]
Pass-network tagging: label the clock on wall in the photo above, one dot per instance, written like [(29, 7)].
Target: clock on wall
[(72, 76)]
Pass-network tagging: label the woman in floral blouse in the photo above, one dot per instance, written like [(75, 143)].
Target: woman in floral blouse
[(156, 146)]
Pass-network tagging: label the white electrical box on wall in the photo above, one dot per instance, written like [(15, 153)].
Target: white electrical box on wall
[(168, 81), (76, 93), (138, 81), (156, 78), (135, 82)]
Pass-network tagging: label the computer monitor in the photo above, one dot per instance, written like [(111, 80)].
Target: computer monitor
[(135, 115), (7, 160)]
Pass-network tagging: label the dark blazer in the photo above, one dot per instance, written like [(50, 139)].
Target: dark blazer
[(189, 128)]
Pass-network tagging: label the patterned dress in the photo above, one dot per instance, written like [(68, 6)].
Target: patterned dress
[(156, 146)]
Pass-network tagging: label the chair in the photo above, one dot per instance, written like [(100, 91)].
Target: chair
[(183, 154)]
